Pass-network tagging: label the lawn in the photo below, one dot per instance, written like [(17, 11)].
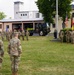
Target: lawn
[(41, 56)]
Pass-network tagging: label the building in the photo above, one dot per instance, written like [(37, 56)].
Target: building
[(24, 18), (19, 12), (21, 18)]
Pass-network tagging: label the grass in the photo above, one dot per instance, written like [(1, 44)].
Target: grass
[(42, 57)]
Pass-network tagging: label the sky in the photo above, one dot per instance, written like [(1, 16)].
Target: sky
[(7, 6)]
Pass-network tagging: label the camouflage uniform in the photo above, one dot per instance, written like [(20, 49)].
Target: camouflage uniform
[(2, 35), (23, 34), (61, 35), (1, 52), (68, 36), (8, 35), (19, 34), (14, 48), (72, 37), (27, 35)]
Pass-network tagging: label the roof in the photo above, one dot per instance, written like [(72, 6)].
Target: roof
[(16, 20), (18, 2)]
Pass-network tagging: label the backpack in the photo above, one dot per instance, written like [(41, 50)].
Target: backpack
[(14, 48)]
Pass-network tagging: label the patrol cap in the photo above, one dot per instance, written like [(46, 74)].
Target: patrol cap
[(15, 33)]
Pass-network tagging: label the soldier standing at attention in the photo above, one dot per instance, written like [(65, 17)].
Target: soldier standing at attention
[(2, 35), (19, 34), (27, 34), (14, 50), (1, 52), (23, 34)]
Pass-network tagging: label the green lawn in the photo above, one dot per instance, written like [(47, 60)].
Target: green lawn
[(42, 57)]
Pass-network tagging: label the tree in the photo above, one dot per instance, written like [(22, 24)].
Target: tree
[(44, 7), (2, 15), (48, 9)]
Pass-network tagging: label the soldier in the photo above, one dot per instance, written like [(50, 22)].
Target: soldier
[(68, 36), (14, 50), (27, 34), (1, 52), (72, 37), (8, 35), (23, 34), (61, 35), (2, 35), (19, 34)]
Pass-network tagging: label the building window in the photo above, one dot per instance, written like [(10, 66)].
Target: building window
[(0, 26), (21, 14), (37, 15), (16, 12), (24, 14)]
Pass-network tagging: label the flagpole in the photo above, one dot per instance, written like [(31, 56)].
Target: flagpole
[(57, 17)]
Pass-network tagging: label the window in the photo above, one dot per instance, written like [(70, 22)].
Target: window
[(21, 14), (37, 15), (0, 26), (24, 14), (16, 12)]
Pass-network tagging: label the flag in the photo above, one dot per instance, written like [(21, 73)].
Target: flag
[(66, 21)]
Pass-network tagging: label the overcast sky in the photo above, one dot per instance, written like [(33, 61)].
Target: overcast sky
[(7, 6)]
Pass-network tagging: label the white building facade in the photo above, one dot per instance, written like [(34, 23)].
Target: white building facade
[(19, 12)]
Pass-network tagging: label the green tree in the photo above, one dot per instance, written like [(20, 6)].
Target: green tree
[(44, 7), (2, 15), (48, 9)]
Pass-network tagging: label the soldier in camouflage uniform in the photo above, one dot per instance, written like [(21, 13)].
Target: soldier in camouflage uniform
[(1, 52), (8, 35), (19, 34), (14, 50), (27, 34), (72, 37), (2, 35), (23, 34), (61, 35), (68, 36)]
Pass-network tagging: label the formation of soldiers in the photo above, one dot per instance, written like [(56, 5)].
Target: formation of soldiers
[(67, 35), (9, 34), (14, 48)]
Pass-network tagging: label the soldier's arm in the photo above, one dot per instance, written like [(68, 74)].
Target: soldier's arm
[(8, 50), (19, 47), (2, 48)]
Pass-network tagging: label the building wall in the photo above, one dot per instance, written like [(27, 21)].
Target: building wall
[(7, 24), (20, 13)]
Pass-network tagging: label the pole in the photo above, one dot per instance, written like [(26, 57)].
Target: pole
[(57, 17)]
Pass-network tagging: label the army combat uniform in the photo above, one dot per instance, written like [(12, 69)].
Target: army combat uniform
[(1, 52), (2, 35), (14, 50), (19, 34), (27, 35), (8, 35), (23, 34)]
